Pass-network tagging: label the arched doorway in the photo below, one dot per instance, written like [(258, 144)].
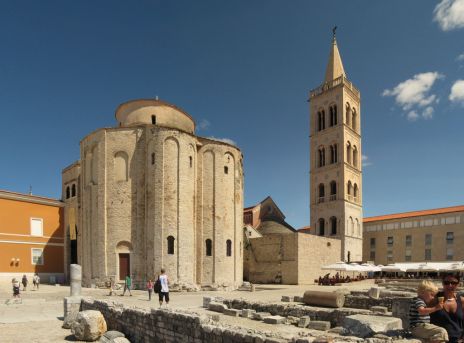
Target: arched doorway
[(123, 256)]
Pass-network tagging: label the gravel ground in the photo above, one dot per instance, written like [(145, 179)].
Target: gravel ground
[(39, 317)]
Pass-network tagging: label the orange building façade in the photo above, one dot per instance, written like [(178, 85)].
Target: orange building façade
[(31, 237)]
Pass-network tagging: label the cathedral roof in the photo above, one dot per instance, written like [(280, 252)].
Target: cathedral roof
[(335, 65)]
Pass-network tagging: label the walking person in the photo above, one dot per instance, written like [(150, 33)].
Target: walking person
[(36, 281), (127, 285), (24, 281), (164, 293), (150, 288), (16, 286)]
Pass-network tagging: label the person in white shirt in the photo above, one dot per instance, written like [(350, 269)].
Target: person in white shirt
[(164, 293)]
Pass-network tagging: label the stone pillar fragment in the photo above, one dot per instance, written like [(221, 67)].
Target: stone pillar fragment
[(76, 279)]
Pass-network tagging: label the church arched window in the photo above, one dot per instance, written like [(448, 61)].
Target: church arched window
[(333, 153), (333, 226), (209, 247), (355, 156), (348, 114), (67, 193), (321, 224), (354, 119), (73, 190), (229, 247), (152, 158), (333, 190), (348, 152), (320, 120), (171, 240), (321, 161), (350, 190), (321, 192), (333, 115), (355, 192), (358, 228)]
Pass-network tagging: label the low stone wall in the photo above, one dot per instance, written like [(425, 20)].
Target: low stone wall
[(365, 302), (335, 316), (170, 326)]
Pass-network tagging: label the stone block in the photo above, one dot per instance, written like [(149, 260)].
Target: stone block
[(215, 317), (112, 334), (362, 325), (71, 307), (231, 312), (274, 320), (323, 340), (379, 309), (286, 298), (298, 299), (374, 292), (207, 300), (321, 325), (217, 307), (261, 315), (89, 326), (326, 299), (400, 309), (304, 321), (247, 313)]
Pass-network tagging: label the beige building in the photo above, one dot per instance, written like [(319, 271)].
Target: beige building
[(429, 235), (335, 159), (149, 193)]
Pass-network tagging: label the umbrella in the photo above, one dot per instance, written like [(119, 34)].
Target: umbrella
[(393, 268), (371, 268), (339, 266)]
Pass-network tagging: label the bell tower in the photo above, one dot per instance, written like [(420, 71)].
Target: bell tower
[(335, 159)]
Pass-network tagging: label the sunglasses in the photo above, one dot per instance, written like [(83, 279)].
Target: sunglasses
[(447, 283)]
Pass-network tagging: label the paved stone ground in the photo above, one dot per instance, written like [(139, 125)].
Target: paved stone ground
[(39, 317)]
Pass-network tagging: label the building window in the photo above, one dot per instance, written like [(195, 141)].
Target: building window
[(152, 158), (153, 119), (372, 243), (226, 170), (171, 240), (321, 192), (120, 166), (333, 226), (372, 255), (36, 227), (321, 120), (68, 194), (229, 247), (348, 114), (333, 153), (355, 156), (408, 240), (390, 256), (209, 247), (354, 120), (449, 253), (73, 190), (333, 190), (449, 237), (321, 156), (428, 239), (321, 227), (348, 153), (37, 256), (428, 255), (390, 241), (333, 115), (190, 161), (355, 192)]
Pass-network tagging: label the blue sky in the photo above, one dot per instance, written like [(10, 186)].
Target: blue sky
[(243, 70)]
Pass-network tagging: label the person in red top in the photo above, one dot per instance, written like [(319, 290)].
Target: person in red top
[(149, 288)]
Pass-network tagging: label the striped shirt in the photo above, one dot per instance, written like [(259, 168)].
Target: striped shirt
[(414, 316)]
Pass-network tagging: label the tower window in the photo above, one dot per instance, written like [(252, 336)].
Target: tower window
[(333, 226), (349, 189), (73, 190), (171, 240), (333, 115), (355, 156), (67, 193), (229, 247), (190, 161), (333, 190), (355, 192), (226, 170), (209, 247), (333, 153), (153, 119), (320, 120), (321, 223), (348, 153), (321, 192), (152, 158), (321, 157), (348, 114), (354, 120)]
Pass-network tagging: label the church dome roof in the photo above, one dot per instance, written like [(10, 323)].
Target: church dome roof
[(154, 112)]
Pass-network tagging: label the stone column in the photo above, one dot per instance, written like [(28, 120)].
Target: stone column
[(76, 279)]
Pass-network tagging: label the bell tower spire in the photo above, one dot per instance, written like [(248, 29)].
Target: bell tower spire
[(334, 66)]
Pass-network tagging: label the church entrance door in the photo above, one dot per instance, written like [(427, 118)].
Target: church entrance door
[(124, 266)]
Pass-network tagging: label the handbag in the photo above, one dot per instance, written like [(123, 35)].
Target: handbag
[(157, 286)]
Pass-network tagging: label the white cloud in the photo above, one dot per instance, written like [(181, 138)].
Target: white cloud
[(428, 113), (414, 94), (460, 58), (225, 140), (449, 14), (203, 125), (457, 92), (365, 161), (412, 116)]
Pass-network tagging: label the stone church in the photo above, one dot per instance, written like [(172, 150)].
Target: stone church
[(148, 194)]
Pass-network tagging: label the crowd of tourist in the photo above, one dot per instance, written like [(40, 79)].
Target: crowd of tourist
[(328, 280)]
